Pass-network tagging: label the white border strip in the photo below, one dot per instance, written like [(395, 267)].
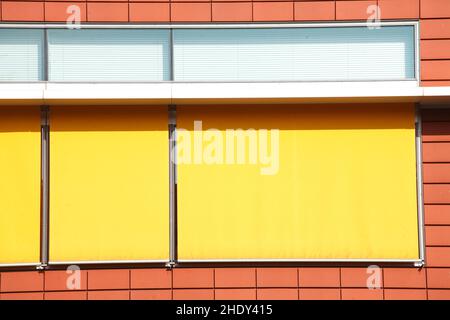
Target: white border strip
[(106, 262), (412, 261), (31, 264)]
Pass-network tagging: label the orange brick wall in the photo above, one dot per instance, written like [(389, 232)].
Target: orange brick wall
[(332, 282), (433, 14)]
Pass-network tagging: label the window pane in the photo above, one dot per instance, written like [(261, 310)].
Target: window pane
[(296, 54), (21, 52), (20, 142), (343, 185), (109, 184), (108, 55)]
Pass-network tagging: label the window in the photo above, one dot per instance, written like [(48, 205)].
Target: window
[(294, 54), (20, 154), (108, 184), (108, 55), (338, 52), (344, 183), (21, 53)]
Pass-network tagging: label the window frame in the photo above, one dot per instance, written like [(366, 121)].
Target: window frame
[(172, 27)]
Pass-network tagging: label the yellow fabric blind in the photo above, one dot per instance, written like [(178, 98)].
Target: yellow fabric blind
[(19, 185), (345, 187), (108, 184)]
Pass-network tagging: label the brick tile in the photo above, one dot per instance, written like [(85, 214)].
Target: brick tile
[(273, 11), (436, 173), (193, 278), (151, 294), (22, 281), (235, 277), (109, 295), (149, 1), (57, 280), (399, 9), (436, 131), (436, 152), (22, 296), (149, 12), (435, 70), (405, 294), (57, 11), (435, 9), (232, 11), (66, 295), (22, 11), (319, 294), (435, 29), (436, 193), (435, 49), (404, 278), (438, 257), (430, 83), (190, 1), (319, 277), (190, 12), (438, 278), (193, 294), (151, 278), (277, 277), (435, 115), (362, 294), (235, 294), (437, 235), (278, 294), (353, 10), (109, 279), (438, 294), (437, 214), (356, 277), (314, 10), (108, 12)]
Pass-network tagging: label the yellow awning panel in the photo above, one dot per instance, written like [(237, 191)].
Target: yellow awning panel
[(109, 184), (20, 163), (324, 182)]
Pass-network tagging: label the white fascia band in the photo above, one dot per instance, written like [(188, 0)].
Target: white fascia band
[(51, 93)]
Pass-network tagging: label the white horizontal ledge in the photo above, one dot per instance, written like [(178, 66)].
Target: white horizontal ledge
[(51, 93)]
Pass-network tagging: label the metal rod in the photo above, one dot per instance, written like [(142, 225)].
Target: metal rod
[(45, 133), (419, 182), (417, 52), (31, 264), (45, 71), (107, 262), (171, 56), (172, 188)]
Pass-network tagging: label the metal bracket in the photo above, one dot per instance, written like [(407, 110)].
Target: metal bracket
[(171, 264), (42, 266)]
